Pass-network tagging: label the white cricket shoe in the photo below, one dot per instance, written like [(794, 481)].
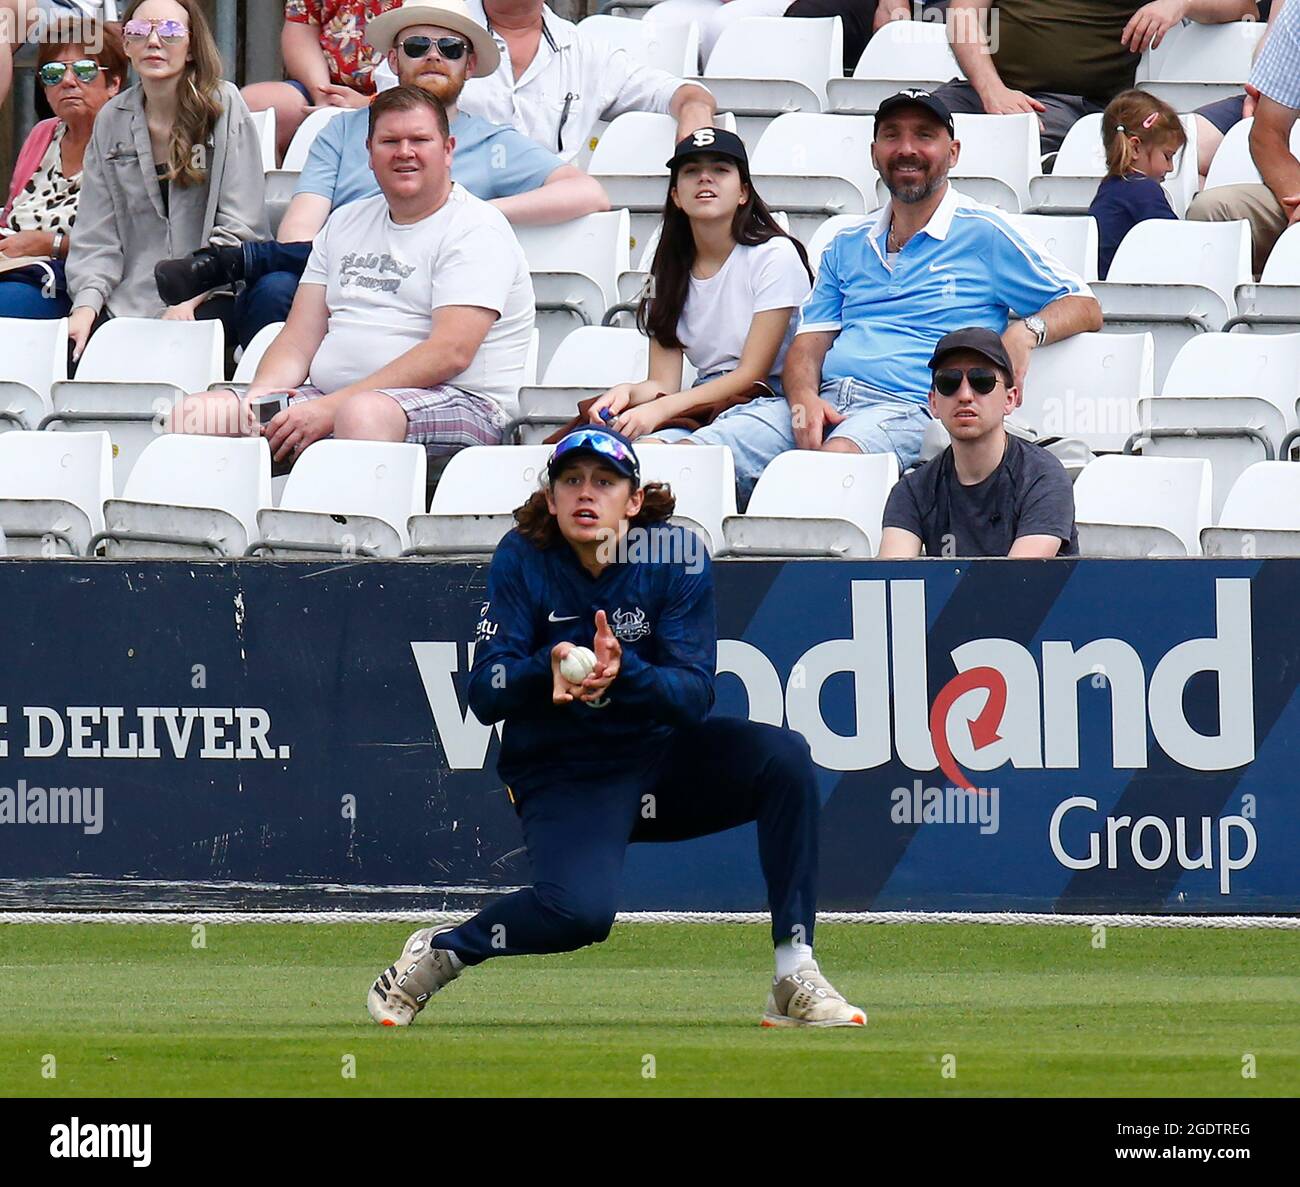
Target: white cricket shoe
[(806, 998), (401, 991)]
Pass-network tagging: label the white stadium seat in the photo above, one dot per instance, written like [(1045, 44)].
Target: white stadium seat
[(671, 47), (1137, 506), (1228, 398), (1261, 515), (36, 358), (473, 504), (264, 122), (575, 268), (1072, 239), (813, 167), (999, 154), (1233, 164), (1080, 165), (763, 67), (1175, 279), (190, 496), (827, 231), (1195, 64), (702, 477), (588, 362), (900, 54), (1273, 305), (280, 183), (348, 498), (132, 373), (52, 491), (252, 356), (1088, 386), (815, 504)]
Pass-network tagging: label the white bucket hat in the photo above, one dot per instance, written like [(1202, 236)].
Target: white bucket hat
[(382, 31)]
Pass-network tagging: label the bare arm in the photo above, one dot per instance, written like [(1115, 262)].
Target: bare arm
[(693, 107), (898, 544), (1064, 317), (1147, 27), (802, 377), (287, 361), (304, 219), (1270, 147), (304, 59), (665, 376), (567, 193), (968, 22), (1035, 546)]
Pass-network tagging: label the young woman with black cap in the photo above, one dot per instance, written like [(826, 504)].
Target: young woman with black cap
[(726, 283)]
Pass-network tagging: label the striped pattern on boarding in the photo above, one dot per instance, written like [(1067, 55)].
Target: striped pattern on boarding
[(966, 267)]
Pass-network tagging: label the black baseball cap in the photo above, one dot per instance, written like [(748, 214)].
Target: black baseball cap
[(710, 142), (979, 340), (915, 97), (607, 444)]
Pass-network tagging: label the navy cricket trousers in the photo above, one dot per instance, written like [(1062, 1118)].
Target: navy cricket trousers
[(709, 777)]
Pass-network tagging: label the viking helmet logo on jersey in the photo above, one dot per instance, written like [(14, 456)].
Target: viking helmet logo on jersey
[(629, 626)]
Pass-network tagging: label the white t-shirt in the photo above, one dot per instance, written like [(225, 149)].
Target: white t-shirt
[(719, 311), (383, 281)]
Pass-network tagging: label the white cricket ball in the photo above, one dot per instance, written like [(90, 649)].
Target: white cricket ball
[(578, 664)]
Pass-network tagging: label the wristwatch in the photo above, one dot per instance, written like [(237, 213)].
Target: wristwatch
[(56, 248), (1038, 327)]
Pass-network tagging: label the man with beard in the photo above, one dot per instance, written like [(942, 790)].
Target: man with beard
[(857, 377), (437, 48)]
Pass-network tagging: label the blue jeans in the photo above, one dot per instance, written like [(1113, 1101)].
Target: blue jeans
[(271, 274), (875, 421), (674, 435)]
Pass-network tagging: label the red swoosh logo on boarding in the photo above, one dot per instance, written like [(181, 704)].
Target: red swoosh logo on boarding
[(983, 729)]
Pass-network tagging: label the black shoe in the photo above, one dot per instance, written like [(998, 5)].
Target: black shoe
[(208, 268)]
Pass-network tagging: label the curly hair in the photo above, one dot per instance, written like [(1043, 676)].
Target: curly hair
[(537, 525)]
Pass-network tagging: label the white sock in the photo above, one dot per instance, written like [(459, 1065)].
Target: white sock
[(456, 962), (790, 957)]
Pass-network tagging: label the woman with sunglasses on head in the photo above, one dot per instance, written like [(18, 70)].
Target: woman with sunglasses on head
[(45, 191), (597, 647), (328, 62), (989, 493), (725, 284), (174, 164)]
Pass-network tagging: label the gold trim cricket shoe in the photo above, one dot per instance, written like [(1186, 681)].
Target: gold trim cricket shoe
[(401, 991), (806, 998)]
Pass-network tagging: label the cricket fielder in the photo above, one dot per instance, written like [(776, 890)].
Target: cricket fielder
[(627, 753)]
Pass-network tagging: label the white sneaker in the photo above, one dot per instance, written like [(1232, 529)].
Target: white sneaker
[(401, 991), (806, 998)]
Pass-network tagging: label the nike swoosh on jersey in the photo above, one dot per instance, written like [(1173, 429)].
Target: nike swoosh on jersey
[(567, 618)]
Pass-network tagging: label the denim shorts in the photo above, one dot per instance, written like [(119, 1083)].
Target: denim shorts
[(875, 421)]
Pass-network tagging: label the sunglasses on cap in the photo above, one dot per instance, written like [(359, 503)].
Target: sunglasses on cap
[(450, 48), (947, 380), (601, 442), (169, 31), (83, 70)]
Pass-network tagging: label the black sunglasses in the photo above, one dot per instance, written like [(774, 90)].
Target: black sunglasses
[(450, 48), (983, 380)]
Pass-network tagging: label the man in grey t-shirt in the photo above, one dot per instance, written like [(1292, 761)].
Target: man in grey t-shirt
[(989, 493)]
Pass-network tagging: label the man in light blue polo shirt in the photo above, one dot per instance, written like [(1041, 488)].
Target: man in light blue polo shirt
[(857, 376), (526, 182)]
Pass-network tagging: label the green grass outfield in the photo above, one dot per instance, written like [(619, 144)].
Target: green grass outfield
[(274, 1009)]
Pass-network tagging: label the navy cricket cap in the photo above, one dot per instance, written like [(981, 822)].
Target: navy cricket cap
[(710, 142), (979, 340), (915, 97), (606, 444)]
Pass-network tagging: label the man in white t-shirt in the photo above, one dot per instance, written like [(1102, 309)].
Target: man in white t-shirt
[(414, 317)]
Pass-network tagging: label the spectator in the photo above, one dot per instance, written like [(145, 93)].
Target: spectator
[(930, 260), (46, 185), (726, 281), (24, 20), (1142, 135), (328, 58), (528, 184), (988, 493), (1274, 205), (864, 18), (414, 317), (554, 85), (173, 162), (1061, 60), (1215, 120)]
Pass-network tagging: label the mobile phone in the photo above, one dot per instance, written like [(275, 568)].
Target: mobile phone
[(269, 406)]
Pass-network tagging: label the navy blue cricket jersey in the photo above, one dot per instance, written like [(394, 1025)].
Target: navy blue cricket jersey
[(662, 613)]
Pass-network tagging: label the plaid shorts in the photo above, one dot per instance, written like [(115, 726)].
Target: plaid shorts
[(443, 419)]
